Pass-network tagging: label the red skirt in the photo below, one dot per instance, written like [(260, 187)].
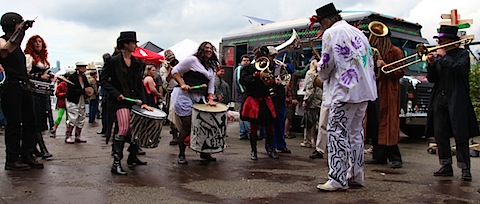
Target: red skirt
[(258, 110)]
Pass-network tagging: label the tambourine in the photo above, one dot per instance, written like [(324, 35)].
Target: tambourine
[(89, 91)]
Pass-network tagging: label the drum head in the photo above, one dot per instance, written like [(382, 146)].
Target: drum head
[(212, 109), (155, 114)]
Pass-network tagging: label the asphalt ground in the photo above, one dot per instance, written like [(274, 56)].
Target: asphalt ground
[(80, 173)]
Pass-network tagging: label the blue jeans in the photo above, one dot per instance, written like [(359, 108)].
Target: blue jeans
[(244, 125), (279, 128), (244, 129), (93, 110)]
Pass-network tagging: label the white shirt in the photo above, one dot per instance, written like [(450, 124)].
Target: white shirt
[(164, 74), (347, 65)]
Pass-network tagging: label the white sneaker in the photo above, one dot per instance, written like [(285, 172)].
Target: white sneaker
[(305, 144), (328, 187)]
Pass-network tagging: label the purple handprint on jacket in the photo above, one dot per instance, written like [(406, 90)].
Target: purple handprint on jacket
[(348, 76)]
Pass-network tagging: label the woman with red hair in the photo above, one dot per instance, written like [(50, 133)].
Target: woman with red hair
[(38, 68)]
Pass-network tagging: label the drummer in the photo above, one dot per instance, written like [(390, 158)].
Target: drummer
[(121, 78), (76, 103), (191, 72)]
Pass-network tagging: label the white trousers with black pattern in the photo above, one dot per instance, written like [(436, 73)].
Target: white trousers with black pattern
[(345, 144)]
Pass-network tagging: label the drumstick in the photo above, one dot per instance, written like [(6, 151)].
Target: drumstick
[(199, 86), (136, 101)]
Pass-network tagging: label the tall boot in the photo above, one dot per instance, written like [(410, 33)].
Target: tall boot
[(253, 145), (118, 145), (174, 140), (68, 135), (43, 148), (270, 149), (132, 156), (78, 137)]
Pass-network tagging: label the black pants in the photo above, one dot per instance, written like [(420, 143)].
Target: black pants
[(18, 108), (372, 122), (443, 132), (104, 115)]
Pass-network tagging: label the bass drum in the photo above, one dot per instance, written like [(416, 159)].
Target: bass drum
[(209, 126), (146, 126)]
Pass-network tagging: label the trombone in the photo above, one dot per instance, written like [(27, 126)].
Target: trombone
[(422, 52)]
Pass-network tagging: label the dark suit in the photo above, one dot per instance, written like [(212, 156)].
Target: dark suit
[(75, 91), (115, 80)]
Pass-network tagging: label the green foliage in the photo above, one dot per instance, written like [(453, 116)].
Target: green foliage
[(475, 88)]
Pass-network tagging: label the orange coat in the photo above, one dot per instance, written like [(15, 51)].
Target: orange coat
[(388, 96)]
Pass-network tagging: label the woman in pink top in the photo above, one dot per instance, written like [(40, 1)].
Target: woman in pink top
[(150, 86)]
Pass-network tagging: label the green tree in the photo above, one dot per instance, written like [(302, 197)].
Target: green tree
[(475, 88)]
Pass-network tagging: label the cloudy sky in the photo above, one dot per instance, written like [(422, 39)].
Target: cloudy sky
[(84, 30)]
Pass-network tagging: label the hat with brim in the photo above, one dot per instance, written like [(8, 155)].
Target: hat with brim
[(65, 80), (81, 64), (128, 36), (326, 11), (447, 32)]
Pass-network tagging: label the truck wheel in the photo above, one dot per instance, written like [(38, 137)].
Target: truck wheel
[(415, 131)]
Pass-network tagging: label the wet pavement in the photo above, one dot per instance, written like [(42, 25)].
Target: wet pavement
[(80, 173)]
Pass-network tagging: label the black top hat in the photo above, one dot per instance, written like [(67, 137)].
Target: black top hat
[(447, 32), (127, 36), (327, 11)]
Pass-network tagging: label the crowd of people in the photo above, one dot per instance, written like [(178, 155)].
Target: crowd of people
[(344, 88)]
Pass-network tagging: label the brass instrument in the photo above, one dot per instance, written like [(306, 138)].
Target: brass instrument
[(262, 64), (315, 51), (376, 56), (378, 29), (283, 76), (422, 52)]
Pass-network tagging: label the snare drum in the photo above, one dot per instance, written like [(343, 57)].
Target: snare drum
[(41, 87), (209, 126), (145, 126)]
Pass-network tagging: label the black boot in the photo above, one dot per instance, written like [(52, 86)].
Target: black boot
[(31, 161), (466, 175), (36, 152), (253, 145), (132, 157), (174, 140), (270, 149), (118, 145), (43, 148), (446, 170)]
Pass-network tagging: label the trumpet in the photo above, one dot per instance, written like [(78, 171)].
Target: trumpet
[(422, 52)]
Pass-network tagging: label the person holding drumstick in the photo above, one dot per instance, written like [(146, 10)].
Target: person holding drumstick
[(191, 72), (122, 79), (75, 102)]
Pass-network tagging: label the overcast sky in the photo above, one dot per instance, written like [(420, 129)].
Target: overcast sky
[(84, 30)]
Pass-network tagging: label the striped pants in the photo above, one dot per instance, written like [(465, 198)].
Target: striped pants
[(345, 143)]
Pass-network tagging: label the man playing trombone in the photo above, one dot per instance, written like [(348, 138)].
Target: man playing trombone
[(450, 111), (386, 131)]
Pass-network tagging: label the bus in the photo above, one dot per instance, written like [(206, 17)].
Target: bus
[(415, 89)]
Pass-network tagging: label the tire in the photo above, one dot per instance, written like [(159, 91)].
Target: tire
[(415, 131)]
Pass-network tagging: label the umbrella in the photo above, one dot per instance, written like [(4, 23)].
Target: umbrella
[(148, 56)]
